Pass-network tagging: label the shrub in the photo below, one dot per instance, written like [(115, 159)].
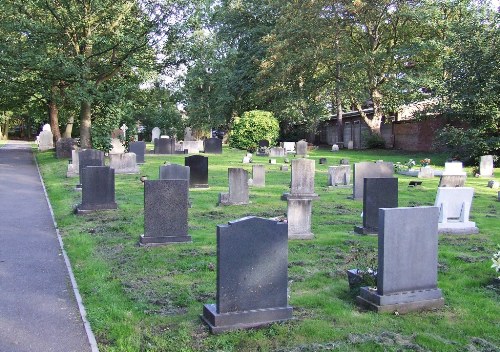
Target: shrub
[(375, 141), (252, 127)]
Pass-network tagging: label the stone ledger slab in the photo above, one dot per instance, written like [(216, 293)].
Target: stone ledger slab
[(98, 189), (252, 276)]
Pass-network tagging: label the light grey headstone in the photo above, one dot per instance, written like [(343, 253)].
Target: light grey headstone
[(299, 218), (124, 163), (301, 148), (174, 172), (252, 275), (339, 175), (238, 188), (98, 189), (454, 210), (188, 134), (272, 161), (407, 261), (335, 148), (486, 166), (193, 147), (246, 160), (46, 141), (117, 146), (258, 175), (350, 145), (303, 171), (47, 127), (452, 180), (155, 134), (454, 168), (74, 167), (426, 172), (275, 152), (165, 212), (369, 169), (284, 167)]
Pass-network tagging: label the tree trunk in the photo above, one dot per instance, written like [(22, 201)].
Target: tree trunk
[(377, 112), (85, 125), (338, 104), (69, 127), (54, 114)]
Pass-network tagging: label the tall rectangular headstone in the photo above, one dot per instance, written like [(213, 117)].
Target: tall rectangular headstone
[(98, 189), (454, 209), (174, 172), (89, 157), (74, 166), (139, 148), (164, 146), (155, 134), (301, 148), (124, 163), (252, 275), (303, 171), (486, 166), (339, 176), (198, 165), (258, 175), (64, 146), (165, 212), (407, 262), (381, 192), (213, 146), (238, 188), (46, 141), (369, 169)]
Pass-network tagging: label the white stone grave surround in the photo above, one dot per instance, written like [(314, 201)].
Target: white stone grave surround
[(454, 168), (288, 146), (454, 205)]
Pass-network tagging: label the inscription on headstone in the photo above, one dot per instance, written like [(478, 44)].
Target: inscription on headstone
[(339, 176)]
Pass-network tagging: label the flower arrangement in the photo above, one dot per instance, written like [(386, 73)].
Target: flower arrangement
[(425, 162), (365, 262), (496, 261), (410, 164)]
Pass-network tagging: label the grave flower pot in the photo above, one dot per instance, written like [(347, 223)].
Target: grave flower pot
[(358, 278)]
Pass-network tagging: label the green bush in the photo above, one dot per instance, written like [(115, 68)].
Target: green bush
[(252, 127), (374, 141)]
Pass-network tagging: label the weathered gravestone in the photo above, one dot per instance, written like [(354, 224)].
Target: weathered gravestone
[(74, 165), (344, 162), (369, 169), (288, 146), (198, 165), (300, 199), (46, 141), (322, 161), (454, 209), (46, 127), (339, 176), (335, 148), (263, 148), (277, 152), (164, 146), (139, 148), (192, 147), (155, 134), (188, 134), (284, 167), (486, 166), (213, 146), (174, 172), (89, 157), (452, 181), (117, 138), (350, 145), (124, 163), (380, 192), (165, 212), (98, 189), (426, 172), (493, 184), (258, 176), (407, 262), (64, 147), (252, 275), (238, 188), (301, 148)]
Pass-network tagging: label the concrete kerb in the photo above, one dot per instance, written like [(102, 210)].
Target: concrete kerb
[(78, 297)]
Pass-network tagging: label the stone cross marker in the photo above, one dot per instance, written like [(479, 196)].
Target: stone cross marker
[(174, 172), (124, 163), (89, 157), (124, 129), (454, 208), (238, 188), (258, 175), (98, 189), (155, 134), (213, 146), (139, 148), (369, 169), (486, 166), (198, 165), (252, 275), (380, 192), (407, 262), (339, 176), (301, 148), (165, 212)]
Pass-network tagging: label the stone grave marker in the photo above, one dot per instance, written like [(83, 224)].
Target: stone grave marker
[(198, 165), (193, 147), (454, 209), (454, 168), (486, 166), (301, 148), (426, 172), (74, 166), (339, 176), (258, 175), (276, 152), (493, 184), (47, 127), (64, 147), (174, 172), (46, 141), (335, 148), (139, 148), (164, 146), (155, 134), (344, 162), (89, 157), (124, 163), (188, 134), (165, 212), (213, 146), (322, 161), (238, 188), (284, 167), (272, 161), (380, 192), (252, 275), (369, 169), (288, 146), (117, 137), (452, 180), (263, 143), (350, 145), (407, 262), (98, 189)]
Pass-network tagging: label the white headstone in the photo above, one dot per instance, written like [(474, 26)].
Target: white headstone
[(335, 148), (486, 166), (46, 141), (155, 133), (47, 127), (454, 205), (454, 168), (350, 145), (289, 147), (117, 146), (125, 163)]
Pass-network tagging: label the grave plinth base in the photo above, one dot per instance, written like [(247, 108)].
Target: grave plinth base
[(225, 199), (401, 302), (458, 228), (162, 240), (90, 208), (299, 216), (220, 322), (360, 230), (199, 186), (339, 186)]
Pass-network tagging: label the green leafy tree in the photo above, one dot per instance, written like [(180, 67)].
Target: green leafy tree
[(252, 127)]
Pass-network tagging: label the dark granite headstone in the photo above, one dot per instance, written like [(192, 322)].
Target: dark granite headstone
[(369, 169), (263, 143), (322, 161), (378, 193), (139, 148), (213, 146), (64, 146), (407, 262), (98, 189), (89, 157), (198, 165), (164, 146), (165, 212), (174, 172), (252, 275)]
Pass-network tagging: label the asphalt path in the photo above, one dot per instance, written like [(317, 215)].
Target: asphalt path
[(38, 309)]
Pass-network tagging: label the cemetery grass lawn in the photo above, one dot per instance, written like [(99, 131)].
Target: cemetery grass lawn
[(150, 299)]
